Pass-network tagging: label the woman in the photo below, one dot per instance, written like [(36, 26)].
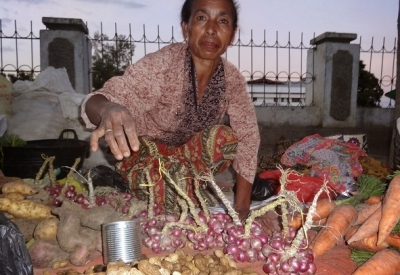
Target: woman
[(173, 101)]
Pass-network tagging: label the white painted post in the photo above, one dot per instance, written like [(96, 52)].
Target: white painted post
[(335, 63), (65, 44)]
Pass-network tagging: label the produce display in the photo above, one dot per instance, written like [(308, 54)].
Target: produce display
[(61, 222)]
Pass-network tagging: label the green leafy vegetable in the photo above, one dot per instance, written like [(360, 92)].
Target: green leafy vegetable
[(11, 140), (359, 257), (368, 186)]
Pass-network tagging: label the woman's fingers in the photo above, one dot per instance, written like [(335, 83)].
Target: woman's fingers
[(119, 130)]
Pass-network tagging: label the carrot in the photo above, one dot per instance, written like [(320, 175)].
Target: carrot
[(364, 214), (390, 209), (394, 240), (373, 200), (353, 229), (368, 244), (368, 228), (338, 223), (320, 222), (323, 209), (383, 262)]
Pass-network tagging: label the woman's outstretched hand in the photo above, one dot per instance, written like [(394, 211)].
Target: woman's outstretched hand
[(118, 128)]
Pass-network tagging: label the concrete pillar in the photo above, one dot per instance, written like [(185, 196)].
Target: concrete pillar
[(65, 45), (335, 65)]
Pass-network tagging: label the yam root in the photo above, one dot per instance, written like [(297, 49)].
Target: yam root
[(25, 209), (27, 227), (13, 196), (44, 253), (19, 186), (47, 230), (80, 242)]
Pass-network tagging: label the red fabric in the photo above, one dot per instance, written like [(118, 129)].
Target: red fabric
[(305, 186), (213, 148)]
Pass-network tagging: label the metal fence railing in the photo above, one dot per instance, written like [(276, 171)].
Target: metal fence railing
[(280, 66)]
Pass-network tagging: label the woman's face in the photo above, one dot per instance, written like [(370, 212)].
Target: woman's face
[(210, 28)]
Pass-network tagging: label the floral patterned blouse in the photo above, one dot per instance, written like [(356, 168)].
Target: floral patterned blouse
[(159, 91)]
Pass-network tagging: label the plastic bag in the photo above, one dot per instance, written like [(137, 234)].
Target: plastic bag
[(305, 186), (263, 188), (102, 175), (14, 256)]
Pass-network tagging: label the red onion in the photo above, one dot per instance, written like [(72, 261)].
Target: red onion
[(309, 257), (251, 255), (255, 228), (147, 242), (266, 250), (274, 257), (152, 222), (152, 231), (177, 242), (263, 238), (199, 236), (303, 266), (177, 232), (284, 266), (312, 268), (155, 245), (294, 264), (232, 250), (256, 243), (79, 198), (260, 256), (211, 232), (220, 216), (143, 214), (269, 268), (244, 244), (157, 250), (277, 244), (241, 256), (201, 246), (165, 242)]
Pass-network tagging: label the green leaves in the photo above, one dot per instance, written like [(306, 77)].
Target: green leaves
[(11, 140)]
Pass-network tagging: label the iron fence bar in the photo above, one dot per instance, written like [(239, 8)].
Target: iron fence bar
[(1, 46), (289, 77)]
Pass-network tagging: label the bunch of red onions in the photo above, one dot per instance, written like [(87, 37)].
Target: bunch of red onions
[(245, 249), (223, 233), (301, 263)]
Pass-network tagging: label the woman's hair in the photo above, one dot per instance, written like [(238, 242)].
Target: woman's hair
[(187, 11)]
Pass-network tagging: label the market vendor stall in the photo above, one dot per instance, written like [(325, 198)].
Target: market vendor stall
[(73, 214)]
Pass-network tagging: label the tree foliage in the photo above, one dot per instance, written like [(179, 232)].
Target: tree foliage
[(369, 91), (20, 75), (110, 57)]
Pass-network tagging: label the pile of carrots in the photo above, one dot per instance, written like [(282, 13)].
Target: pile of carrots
[(371, 229)]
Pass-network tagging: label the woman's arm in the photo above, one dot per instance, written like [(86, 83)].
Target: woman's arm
[(242, 198), (115, 123)]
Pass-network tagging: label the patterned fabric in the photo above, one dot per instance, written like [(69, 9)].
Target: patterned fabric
[(197, 116), (271, 162), (336, 161), (357, 139), (374, 167), (213, 148), (155, 88)]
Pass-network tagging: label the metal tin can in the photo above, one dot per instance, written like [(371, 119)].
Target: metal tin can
[(121, 241)]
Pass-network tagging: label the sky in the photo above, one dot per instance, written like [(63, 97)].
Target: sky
[(372, 20)]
